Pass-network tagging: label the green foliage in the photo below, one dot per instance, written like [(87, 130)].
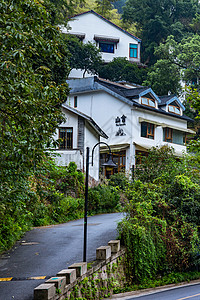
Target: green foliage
[(103, 198), (119, 180), (41, 199), (30, 94), (160, 165), (53, 188), (173, 277), (155, 20), (62, 9), (183, 54), (104, 6), (164, 78), (33, 70), (162, 209), (121, 69), (86, 57)]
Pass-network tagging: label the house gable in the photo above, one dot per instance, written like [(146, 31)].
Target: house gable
[(112, 40), (109, 22), (172, 104)]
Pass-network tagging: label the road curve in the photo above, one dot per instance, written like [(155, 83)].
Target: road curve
[(46, 250), (179, 291)]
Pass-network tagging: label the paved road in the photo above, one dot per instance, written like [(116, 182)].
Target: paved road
[(186, 292), (47, 250)]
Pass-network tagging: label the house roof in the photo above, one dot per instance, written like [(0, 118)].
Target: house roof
[(92, 123), (125, 94), (165, 100), (106, 20)]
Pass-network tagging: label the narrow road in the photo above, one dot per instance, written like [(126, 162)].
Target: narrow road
[(44, 251), (189, 291)]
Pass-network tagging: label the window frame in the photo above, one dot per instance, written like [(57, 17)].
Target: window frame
[(168, 135), (75, 101), (107, 43), (65, 141), (149, 133), (131, 47), (173, 112), (153, 100)]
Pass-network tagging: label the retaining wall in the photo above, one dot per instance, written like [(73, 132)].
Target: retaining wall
[(95, 280)]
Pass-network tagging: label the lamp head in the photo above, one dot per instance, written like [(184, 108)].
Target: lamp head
[(109, 163)]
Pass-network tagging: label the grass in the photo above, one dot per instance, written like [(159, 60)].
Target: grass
[(161, 281)]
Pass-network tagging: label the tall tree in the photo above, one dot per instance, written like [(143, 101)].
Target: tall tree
[(104, 6), (164, 78), (156, 19), (185, 55), (121, 69), (32, 86), (63, 9), (86, 57)]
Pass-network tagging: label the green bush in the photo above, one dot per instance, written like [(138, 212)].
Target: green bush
[(39, 200), (103, 198), (119, 180), (161, 227)]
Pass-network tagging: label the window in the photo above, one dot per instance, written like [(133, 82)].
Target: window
[(133, 50), (75, 101), (174, 109), (174, 136), (167, 134), (147, 130), (106, 47), (66, 134), (148, 102)]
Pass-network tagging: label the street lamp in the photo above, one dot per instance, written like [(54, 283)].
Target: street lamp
[(109, 163)]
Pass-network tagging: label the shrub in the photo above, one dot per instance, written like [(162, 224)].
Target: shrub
[(119, 180), (162, 209), (103, 198)]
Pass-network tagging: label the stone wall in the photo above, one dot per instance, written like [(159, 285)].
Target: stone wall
[(95, 280)]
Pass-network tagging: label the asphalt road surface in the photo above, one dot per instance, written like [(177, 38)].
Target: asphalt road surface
[(44, 251), (186, 292)]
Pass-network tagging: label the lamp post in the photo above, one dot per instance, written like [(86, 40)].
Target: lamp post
[(109, 163)]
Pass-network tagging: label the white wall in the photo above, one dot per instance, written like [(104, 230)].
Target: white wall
[(71, 120), (91, 139), (158, 136), (64, 157), (104, 108), (91, 25)]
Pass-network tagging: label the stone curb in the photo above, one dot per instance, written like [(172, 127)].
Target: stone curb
[(144, 292)]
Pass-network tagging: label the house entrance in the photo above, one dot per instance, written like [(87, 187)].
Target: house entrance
[(119, 158)]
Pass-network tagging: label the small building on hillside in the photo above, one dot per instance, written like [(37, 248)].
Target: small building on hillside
[(78, 132), (112, 40), (134, 118)]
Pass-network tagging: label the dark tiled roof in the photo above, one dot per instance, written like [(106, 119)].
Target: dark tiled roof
[(121, 89), (160, 110), (132, 93), (166, 98), (125, 94), (135, 92)]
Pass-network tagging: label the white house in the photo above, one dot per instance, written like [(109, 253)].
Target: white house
[(134, 118), (112, 40), (78, 132)]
